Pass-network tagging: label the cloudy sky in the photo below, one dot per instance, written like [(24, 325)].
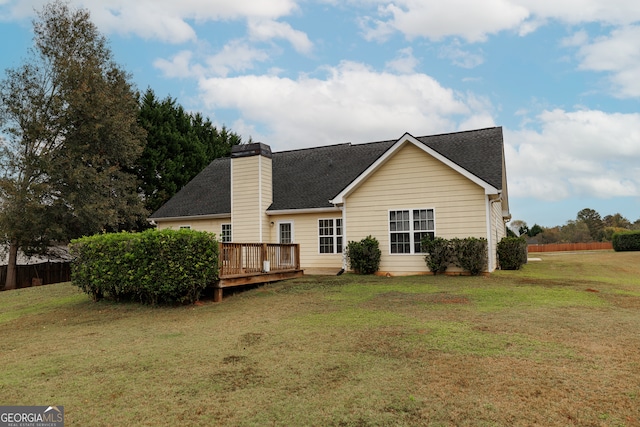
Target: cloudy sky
[(561, 77)]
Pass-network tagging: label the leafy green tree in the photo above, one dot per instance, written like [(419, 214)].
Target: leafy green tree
[(179, 145), (69, 115), (535, 230), (593, 222), (575, 232), (616, 220)]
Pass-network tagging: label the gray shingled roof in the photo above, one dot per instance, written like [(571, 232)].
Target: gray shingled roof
[(309, 178)]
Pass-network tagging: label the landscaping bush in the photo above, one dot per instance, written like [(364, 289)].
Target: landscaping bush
[(152, 267), (512, 253), (364, 256), (626, 241), (470, 254), (439, 253)]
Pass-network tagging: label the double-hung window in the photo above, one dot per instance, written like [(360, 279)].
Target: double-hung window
[(408, 227), (226, 233), (330, 236)]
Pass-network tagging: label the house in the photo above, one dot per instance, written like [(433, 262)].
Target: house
[(448, 185)]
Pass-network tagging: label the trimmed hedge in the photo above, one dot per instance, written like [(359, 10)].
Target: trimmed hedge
[(512, 253), (364, 256), (470, 254), (626, 241), (152, 267)]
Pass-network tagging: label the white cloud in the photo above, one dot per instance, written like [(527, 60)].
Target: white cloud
[(353, 103), (581, 153), (475, 20), (618, 54), (166, 20), (460, 57), (434, 19), (179, 66), (267, 30), (612, 12), (579, 38), (404, 62), (235, 56)]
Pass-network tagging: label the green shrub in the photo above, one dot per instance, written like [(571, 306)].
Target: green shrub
[(512, 253), (439, 253), (364, 256), (626, 241), (470, 254), (152, 267)]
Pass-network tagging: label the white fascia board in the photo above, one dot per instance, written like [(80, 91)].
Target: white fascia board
[(303, 211), (408, 139), (193, 217)]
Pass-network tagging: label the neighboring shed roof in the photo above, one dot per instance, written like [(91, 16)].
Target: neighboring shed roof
[(55, 254), (309, 178)]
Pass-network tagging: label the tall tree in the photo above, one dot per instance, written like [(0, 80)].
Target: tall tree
[(593, 222), (70, 117), (616, 220), (179, 145)]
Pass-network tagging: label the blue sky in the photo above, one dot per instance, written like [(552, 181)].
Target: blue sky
[(560, 77)]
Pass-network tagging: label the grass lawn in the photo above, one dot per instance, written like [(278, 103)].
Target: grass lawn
[(554, 344)]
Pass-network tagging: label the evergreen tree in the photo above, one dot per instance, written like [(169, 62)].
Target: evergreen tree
[(179, 145), (593, 221), (70, 116)]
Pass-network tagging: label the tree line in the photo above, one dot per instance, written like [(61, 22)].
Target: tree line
[(589, 226), (81, 150)]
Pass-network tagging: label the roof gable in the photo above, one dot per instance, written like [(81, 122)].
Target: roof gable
[(426, 145)]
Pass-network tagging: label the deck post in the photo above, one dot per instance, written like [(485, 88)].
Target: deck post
[(217, 295), (220, 259)]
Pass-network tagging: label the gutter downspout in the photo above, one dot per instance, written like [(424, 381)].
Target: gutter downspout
[(344, 236)]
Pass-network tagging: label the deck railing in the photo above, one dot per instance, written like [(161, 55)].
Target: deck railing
[(238, 259)]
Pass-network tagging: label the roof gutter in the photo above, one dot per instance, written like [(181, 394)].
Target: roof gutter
[(302, 211), (190, 217)]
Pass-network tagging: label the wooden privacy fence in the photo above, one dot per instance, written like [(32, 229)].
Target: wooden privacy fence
[(557, 247), (238, 259), (44, 273)]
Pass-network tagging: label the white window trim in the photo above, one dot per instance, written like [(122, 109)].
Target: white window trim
[(411, 231), (334, 236), (293, 236)]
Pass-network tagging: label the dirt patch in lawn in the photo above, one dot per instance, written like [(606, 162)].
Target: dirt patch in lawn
[(623, 301), (402, 298), (443, 298)]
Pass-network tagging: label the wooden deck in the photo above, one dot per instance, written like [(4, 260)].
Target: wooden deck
[(252, 263)]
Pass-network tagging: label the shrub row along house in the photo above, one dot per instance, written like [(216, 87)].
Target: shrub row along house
[(398, 191)]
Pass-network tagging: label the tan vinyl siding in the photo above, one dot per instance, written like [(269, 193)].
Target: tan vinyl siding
[(498, 228), (305, 232), (208, 225), (266, 186), (412, 179), (249, 199)]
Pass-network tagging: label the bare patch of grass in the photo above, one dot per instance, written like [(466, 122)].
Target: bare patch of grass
[(518, 348)]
